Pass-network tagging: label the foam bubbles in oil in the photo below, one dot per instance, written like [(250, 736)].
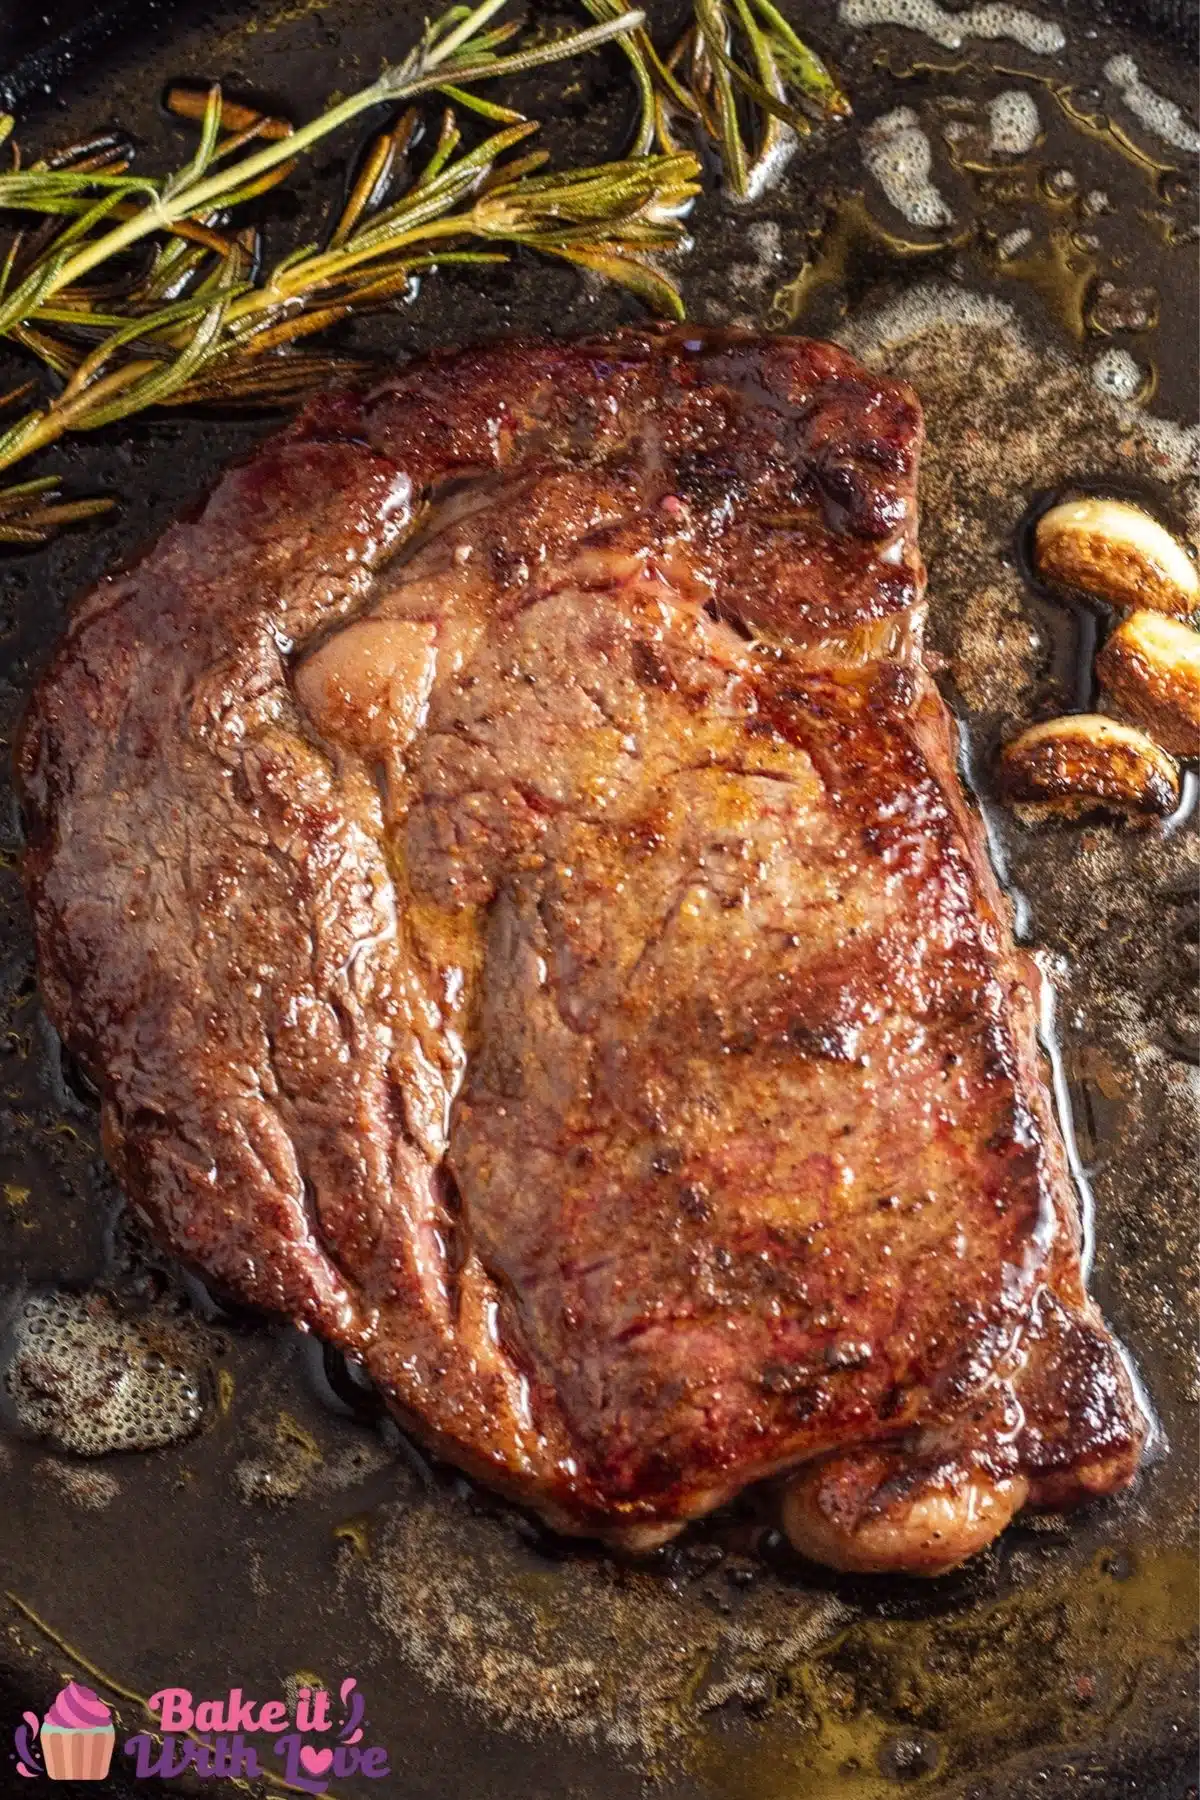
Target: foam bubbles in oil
[(951, 29), (1158, 114), (1014, 125), (900, 156), (1118, 374), (92, 1380)]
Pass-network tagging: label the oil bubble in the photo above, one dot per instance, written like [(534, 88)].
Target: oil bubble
[(1158, 114), (1013, 123), (951, 29), (899, 155), (1118, 375), (92, 1380), (908, 1756), (1013, 242)]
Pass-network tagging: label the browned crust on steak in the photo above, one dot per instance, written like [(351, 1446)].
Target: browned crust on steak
[(503, 865)]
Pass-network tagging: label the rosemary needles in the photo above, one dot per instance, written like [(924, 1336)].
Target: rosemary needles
[(740, 74), (139, 291), (136, 291)]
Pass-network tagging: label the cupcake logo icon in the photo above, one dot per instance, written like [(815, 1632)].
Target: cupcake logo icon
[(75, 1738)]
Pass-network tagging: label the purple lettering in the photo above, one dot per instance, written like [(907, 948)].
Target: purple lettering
[(202, 1755), (238, 1759), (175, 1758), (144, 1749), (349, 1760), (189, 1755), (306, 1766)]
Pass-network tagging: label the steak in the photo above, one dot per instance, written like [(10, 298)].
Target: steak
[(503, 865)]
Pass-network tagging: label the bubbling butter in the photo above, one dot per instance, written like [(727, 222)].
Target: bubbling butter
[(951, 30), (1014, 125), (92, 1380), (1158, 114), (900, 156), (1116, 373), (1013, 242)]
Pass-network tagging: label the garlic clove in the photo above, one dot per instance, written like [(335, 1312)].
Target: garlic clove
[(1151, 668), (1119, 553), (1068, 766)]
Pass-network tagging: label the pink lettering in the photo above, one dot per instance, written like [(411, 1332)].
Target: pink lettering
[(239, 1713), (210, 1716), (272, 1717), (312, 1710), (174, 1706)]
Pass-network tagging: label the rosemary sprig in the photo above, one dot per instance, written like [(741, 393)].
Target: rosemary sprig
[(451, 45), (194, 319), (137, 291), (231, 335), (31, 511), (747, 48), (664, 98), (749, 81)]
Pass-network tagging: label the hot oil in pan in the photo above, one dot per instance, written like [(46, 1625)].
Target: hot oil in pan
[(1081, 225), (94, 1379), (726, 1657)]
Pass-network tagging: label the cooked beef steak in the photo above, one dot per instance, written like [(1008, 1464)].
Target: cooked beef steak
[(503, 865)]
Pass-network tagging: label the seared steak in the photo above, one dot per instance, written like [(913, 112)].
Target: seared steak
[(502, 863)]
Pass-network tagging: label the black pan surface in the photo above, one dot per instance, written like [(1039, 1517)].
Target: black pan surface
[(294, 1534)]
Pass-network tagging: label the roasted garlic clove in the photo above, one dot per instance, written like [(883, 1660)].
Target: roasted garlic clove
[(1119, 553), (1151, 667), (1068, 766)]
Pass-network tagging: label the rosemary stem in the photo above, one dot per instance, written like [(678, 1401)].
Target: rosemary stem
[(466, 29), (521, 60), (48, 424), (416, 74), (199, 320), (160, 214)]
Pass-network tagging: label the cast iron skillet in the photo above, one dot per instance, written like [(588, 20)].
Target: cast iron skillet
[(1056, 1665)]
